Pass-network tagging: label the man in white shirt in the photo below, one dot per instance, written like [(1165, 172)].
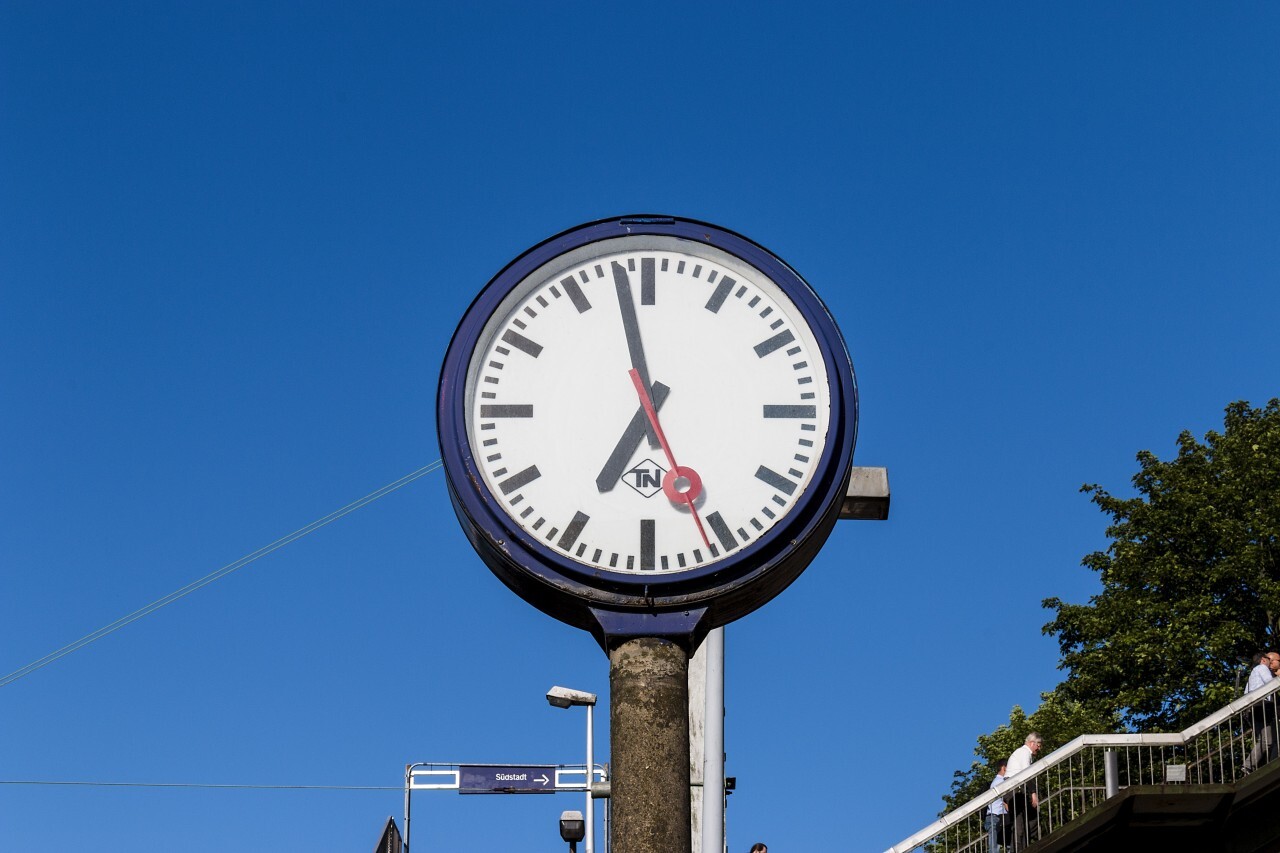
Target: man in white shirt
[(1026, 799), (1262, 715)]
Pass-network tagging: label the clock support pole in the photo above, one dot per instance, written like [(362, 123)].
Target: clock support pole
[(649, 745)]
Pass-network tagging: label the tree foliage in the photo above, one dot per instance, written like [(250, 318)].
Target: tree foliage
[(1190, 589), (1190, 583)]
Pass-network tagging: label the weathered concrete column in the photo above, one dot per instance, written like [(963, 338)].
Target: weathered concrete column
[(649, 746)]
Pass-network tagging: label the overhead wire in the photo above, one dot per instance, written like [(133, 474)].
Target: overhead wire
[(24, 671), (204, 785)]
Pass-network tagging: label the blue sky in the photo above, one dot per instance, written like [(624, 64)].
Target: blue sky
[(235, 239)]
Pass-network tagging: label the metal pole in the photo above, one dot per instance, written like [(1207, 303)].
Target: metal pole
[(649, 745), (591, 773), (713, 746), (1111, 766), (408, 783)]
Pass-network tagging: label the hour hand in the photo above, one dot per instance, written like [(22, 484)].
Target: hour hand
[(630, 440)]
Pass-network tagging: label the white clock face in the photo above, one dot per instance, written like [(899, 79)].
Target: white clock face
[(647, 405)]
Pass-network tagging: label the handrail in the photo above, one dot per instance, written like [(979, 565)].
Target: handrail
[(1073, 748)]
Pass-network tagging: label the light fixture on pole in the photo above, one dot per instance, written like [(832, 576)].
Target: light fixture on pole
[(563, 697)]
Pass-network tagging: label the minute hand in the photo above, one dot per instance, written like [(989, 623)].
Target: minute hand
[(631, 328)]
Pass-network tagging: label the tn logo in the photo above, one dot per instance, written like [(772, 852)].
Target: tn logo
[(645, 478)]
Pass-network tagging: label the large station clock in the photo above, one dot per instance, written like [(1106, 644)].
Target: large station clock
[(647, 425)]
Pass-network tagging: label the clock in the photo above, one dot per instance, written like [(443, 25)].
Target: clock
[(647, 425)]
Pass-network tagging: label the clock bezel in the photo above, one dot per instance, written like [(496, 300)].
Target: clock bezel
[(731, 586)]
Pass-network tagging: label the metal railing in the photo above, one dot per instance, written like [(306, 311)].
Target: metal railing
[(1078, 777)]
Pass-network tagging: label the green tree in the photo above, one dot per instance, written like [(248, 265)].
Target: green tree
[(1190, 582), (1190, 589)]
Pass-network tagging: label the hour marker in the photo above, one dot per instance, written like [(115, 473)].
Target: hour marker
[(576, 296), (571, 532), (776, 342), (647, 539), (522, 343), (790, 411), (773, 478), (647, 281), (722, 531), (508, 410), (720, 294), (516, 481)]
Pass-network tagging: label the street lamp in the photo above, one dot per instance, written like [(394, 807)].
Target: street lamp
[(563, 697), (572, 829)]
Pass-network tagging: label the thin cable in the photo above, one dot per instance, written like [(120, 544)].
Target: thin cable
[(206, 785), (220, 573)]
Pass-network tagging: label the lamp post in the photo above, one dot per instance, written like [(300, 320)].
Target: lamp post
[(563, 697)]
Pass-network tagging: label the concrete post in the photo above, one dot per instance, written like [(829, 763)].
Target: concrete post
[(649, 746)]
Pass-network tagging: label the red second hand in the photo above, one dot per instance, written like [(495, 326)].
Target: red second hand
[(695, 486)]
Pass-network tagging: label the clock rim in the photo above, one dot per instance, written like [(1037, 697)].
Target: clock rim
[(545, 577)]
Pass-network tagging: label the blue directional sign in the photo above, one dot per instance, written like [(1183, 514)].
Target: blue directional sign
[(506, 779)]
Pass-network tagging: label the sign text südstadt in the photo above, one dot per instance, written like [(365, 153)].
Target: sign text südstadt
[(506, 779)]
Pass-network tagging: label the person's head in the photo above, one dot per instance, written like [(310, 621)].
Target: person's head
[(1273, 661), (1034, 742), (1261, 657), (759, 847), (1001, 766)]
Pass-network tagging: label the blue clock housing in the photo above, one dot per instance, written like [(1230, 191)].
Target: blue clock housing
[(682, 605)]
